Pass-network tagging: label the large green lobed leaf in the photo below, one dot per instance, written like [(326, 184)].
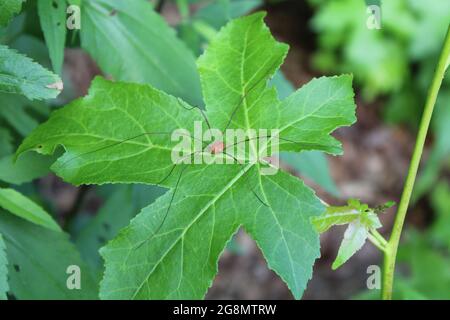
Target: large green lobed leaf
[(173, 253)]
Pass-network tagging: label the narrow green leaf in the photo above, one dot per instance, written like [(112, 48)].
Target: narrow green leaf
[(4, 287), (21, 206), (312, 165), (9, 8), (19, 74), (52, 15)]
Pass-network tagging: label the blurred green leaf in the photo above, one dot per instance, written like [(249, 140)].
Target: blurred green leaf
[(13, 29), (26, 168), (197, 30), (428, 33), (6, 146), (13, 111), (4, 288), (38, 259), (32, 47), (191, 37), (9, 8), (19, 205), (218, 13), (429, 269), (133, 43), (284, 87), (52, 15), (378, 63), (380, 59), (123, 202), (19, 74), (440, 151), (404, 107), (440, 229), (313, 165)]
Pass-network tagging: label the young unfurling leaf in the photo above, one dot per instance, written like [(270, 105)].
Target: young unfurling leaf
[(354, 238), (361, 221)]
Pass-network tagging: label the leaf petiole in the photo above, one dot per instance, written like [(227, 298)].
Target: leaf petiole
[(376, 242), (379, 237)]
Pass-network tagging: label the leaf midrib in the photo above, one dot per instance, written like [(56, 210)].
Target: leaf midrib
[(199, 215)]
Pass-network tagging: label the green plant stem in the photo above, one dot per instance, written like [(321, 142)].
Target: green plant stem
[(390, 252)]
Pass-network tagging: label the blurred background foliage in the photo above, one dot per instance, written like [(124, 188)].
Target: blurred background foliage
[(132, 41)]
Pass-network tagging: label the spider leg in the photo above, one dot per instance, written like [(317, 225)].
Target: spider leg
[(246, 180), (167, 211), (171, 198)]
